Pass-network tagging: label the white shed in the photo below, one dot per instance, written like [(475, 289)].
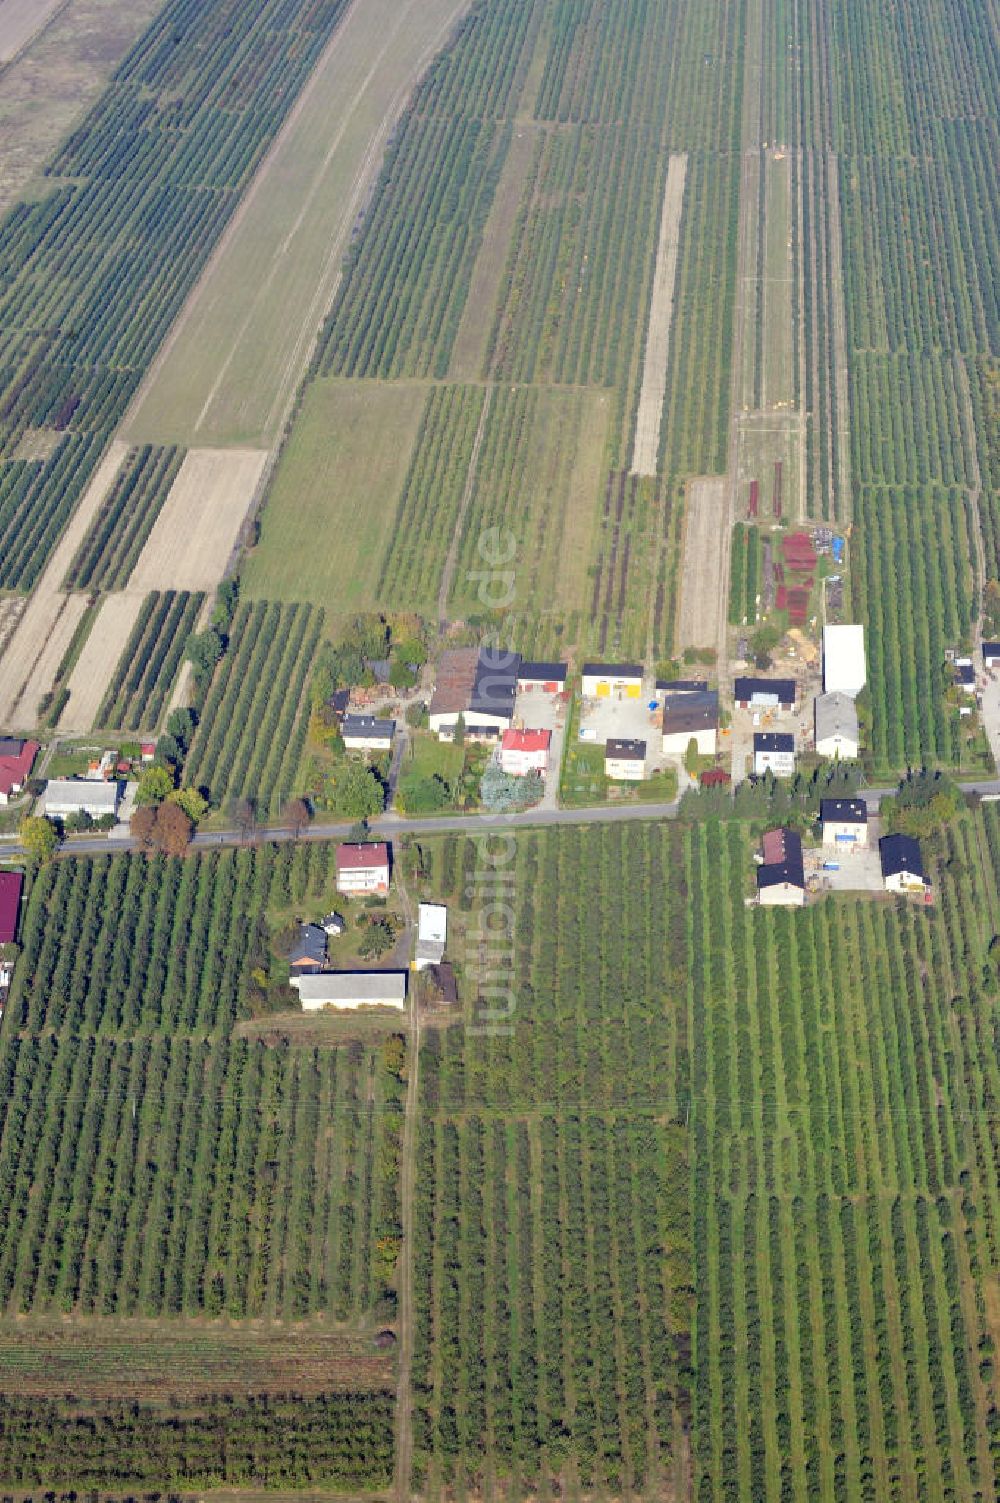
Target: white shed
[(844, 669), (432, 934), (65, 796), (351, 989)]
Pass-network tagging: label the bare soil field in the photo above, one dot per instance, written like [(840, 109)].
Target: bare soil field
[(701, 612), (228, 372), (469, 352), (29, 665), (20, 20), (198, 526), (645, 454), (56, 77), (337, 486), (96, 663), (101, 1358), (778, 373)]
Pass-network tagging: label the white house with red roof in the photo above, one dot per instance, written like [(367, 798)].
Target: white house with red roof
[(522, 752), (16, 758), (363, 868)]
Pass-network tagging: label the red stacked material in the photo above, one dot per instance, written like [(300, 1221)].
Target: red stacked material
[(800, 555), (781, 600), (754, 497), (798, 606), (714, 777)]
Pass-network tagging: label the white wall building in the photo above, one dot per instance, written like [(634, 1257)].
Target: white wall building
[(365, 733), (351, 989), (363, 868), (432, 934), (625, 761), (522, 752), (837, 732), (66, 796), (844, 821), (607, 680), (844, 669), (774, 751)]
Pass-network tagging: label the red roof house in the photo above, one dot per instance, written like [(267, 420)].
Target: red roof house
[(10, 905), (16, 758), (363, 868), (525, 751)]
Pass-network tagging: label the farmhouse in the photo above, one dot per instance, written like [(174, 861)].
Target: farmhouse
[(525, 751), (690, 715), (902, 863), (432, 933), (991, 654), (773, 751), (16, 758), (781, 878), (547, 678), (351, 989), (844, 660), (837, 733), (365, 733), (363, 868), (477, 685), (602, 680), (65, 796), (764, 693), (625, 761), (965, 677), (308, 953), (844, 821)]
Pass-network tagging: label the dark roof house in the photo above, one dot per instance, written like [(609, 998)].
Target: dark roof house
[(686, 714), (746, 690), (900, 853), (308, 953), (773, 741), (681, 685), (782, 860), (843, 811), (542, 673), (620, 749)]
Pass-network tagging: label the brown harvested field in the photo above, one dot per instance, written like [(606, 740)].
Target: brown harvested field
[(701, 613), (194, 536), (20, 20), (56, 77), (229, 370), (645, 454), (317, 1030), (99, 658), (28, 667), (111, 1358), (469, 352)]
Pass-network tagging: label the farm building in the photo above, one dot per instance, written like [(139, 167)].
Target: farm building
[(365, 733), (837, 733), (65, 796), (351, 989), (625, 761), (690, 716), (603, 680), (525, 751), (965, 675), (477, 685), (363, 868), (546, 678), (333, 925), (432, 934), (844, 660), (991, 654), (147, 751), (774, 751), (338, 702), (844, 821), (681, 685), (902, 863), (308, 953), (764, 693), (16, 758), (10, 905), (781, 878)]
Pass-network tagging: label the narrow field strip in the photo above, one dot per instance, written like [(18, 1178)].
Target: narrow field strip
[(96, 663), (198, 525), (645, 454)]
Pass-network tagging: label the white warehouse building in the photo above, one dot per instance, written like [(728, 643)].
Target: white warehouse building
[(65, 796), (844, 660), (351, 989)]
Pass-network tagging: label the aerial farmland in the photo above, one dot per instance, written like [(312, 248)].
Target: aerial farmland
[(499, 852)]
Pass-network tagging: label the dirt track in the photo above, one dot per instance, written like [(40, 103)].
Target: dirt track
[(19, 21), (97, 661), (196, 531), (661, 311), (701, 613)]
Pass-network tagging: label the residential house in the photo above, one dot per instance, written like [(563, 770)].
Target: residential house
[(333, 925), (365, 733), (545, 678), (781, 878), (16, 758), (363, 868), (773, 751), (522, 752), (764, 693), (965, 675), (147, 751), (432, 934), (902, 864), (308, 953), (605, 680), (624, 760), (681, 685), (837, 733), (844, 670), (477, 685), (690, 715), (351, 989), (991, 654), (66, 796), (844, 821)]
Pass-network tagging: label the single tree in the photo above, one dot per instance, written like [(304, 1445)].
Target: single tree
[(154, 786), (174, 829), (39, 837), (357, 792), (142, 825), (243, 815), (192, 801), (296, 815)]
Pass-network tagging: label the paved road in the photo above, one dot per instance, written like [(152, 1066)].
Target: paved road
[(389, 826)]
